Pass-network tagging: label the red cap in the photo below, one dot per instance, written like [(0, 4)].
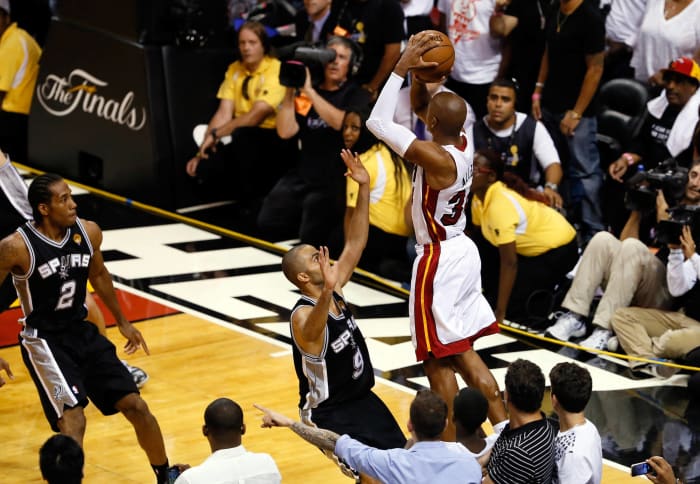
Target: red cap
[(686, 67)]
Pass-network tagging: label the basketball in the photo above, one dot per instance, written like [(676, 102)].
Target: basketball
[(443, 54)]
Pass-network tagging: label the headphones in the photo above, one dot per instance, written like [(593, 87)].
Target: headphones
[(356, 54)]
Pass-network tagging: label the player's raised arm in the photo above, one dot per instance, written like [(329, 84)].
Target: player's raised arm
[(101, 280)]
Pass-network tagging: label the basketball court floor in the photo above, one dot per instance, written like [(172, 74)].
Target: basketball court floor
[(213, 306)]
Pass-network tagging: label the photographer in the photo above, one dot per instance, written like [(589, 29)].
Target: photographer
[(627, 270), (309, 200)]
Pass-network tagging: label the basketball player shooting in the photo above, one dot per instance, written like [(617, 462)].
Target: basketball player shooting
[(446, 308)]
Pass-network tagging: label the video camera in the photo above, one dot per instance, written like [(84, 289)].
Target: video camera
[(669, 231), (297, 57), (643, 185)]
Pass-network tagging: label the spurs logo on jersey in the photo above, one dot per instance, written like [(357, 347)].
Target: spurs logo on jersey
[(62, 264)]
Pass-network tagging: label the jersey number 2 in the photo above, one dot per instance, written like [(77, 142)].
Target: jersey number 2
[(67, 293)]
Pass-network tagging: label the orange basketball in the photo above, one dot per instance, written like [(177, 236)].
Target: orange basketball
[(443, 54)]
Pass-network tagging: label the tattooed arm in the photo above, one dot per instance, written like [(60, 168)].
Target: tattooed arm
[(321, 438)]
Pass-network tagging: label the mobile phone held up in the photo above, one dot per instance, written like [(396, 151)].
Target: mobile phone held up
[(641, 469)]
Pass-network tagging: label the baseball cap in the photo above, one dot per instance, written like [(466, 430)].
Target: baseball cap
[(5, 5), (684, 66)]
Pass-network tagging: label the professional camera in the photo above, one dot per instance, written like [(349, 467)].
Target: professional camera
[(297, 57), (669, 231), (643, 185)]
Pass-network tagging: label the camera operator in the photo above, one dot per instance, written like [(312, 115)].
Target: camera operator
[(627, 270), (309, 200)]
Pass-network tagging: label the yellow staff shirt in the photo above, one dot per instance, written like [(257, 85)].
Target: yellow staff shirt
[(19, 68), (505, 216), (261, 85), (387, 198)]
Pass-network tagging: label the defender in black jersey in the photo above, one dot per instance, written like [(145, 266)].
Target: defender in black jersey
[(330, 355), (51, 259)]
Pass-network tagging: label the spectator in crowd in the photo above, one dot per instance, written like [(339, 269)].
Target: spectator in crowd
[(470, 411), (229, 461), (417, 15), (308, 201), (19, 68), (61, 460), (528, 248), (524, 451), (4, 365), (626, 269), (377, 26), (253, 160), (669, 30), (428, 460), (477, 54), (311, 21), (621, 28), (523, 28), (669, 121), (655, 333), (662, 472), (330, 354), (522, 142), (390, 191), (577, 449), (567, 83)]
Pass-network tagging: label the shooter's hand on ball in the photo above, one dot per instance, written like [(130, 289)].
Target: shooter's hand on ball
[(418, 44)]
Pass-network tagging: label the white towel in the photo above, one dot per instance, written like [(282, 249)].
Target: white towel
[(682, 130)]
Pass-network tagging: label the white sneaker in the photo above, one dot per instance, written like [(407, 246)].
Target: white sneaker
[(568, 326), (598, 340)]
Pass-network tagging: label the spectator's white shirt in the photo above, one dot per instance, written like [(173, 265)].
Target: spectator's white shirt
[(233, 466), (578, 455), (623, 21)]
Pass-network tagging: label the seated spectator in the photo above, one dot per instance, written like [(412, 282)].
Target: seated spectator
[(655, 333), (528, 248), (669, 30), (524, 450), (477, 54), (577, 449), (308, 201), (668, 125), (253, 160), (377, 26), (390, 191), (230, 461), (428, 460), (522, 142), (470, 411), (626, 269), (19, 68), (61, 460)]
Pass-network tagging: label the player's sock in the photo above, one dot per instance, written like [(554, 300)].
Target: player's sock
[(161, 472)]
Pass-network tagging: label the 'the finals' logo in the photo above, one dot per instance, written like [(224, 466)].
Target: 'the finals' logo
[(61, 96)]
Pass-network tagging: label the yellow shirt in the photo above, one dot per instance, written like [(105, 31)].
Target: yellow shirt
[(19, 68), (263, 85), (505, 216), (386, 198)]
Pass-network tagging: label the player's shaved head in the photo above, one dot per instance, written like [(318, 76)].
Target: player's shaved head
[(293, 264), (450, 111)]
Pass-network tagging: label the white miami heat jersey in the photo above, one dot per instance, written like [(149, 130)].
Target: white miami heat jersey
[(439, 214)]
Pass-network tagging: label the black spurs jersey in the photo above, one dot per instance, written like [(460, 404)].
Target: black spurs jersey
[(343, 370), (52, 292)]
